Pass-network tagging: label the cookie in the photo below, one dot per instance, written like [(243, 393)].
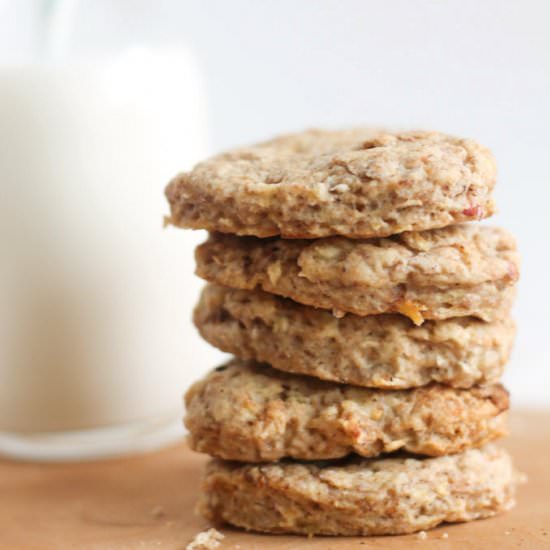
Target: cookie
[(461, 270), (388, 496), (355, 183), (379, 351), (250, 412)]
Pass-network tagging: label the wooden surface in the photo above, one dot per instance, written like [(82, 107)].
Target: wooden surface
[(147, 502)]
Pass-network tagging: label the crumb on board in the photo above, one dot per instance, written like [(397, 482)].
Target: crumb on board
[(422, 535), (445, 535), (522, 478), (206, 540)]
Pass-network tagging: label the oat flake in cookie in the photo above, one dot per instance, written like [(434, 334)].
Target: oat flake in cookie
[(457, 271), (387, 496), (253, 413), (355, 183)]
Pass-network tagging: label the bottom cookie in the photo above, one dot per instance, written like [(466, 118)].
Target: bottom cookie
[(354, 496)]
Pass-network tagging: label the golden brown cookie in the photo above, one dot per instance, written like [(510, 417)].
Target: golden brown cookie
[(356, 183), (250, 412), (387, 496), (461, 270), (379, 351)]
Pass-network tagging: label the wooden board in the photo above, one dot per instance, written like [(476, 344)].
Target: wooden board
[(147, 502)]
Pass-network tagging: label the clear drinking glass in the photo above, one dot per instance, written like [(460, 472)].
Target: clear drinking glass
[(95, 335)]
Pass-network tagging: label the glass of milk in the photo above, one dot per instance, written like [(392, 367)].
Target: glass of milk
[(96, 341)]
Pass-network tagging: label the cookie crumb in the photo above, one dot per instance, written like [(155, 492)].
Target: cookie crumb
[(445, 535), (422, 535), (507, 533), (206, 540)]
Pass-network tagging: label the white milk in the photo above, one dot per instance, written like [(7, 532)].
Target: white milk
[(95, 296)]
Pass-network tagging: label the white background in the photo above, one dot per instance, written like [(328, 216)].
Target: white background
[(474, 68)]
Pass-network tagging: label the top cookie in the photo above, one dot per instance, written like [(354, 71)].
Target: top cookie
[(357, 183)]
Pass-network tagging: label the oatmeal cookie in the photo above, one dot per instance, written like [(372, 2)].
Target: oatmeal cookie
[(251, 412), (356, 183), (355, 496), (378, 351), (461, 270)]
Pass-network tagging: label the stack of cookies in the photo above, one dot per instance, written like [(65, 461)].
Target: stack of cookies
[(370, 326)]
